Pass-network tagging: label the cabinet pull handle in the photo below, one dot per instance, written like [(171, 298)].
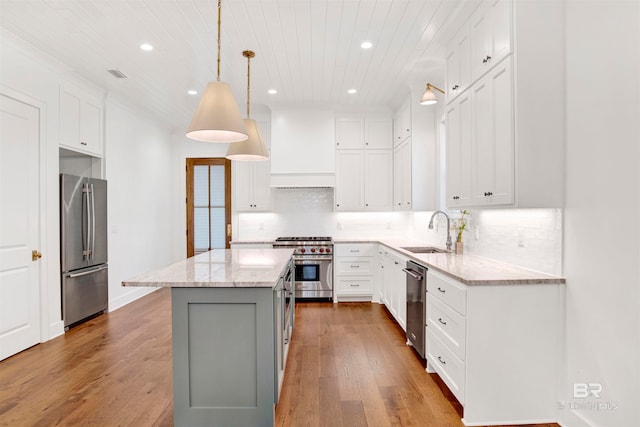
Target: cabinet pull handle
[(487, 59), (355, 285), (83, 143), (355, 266), (488, 193), (442, 321), (455, 87), (441, 361), (441, 290)]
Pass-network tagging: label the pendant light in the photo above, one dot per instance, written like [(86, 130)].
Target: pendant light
[(251, 149), (217, 118), (429, 97)]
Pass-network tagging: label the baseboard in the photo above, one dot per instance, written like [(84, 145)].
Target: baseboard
[(55, 329), (129, 297)]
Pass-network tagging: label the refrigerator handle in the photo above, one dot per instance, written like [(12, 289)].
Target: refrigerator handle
[(93, 223), (86, 273), (85, 220)]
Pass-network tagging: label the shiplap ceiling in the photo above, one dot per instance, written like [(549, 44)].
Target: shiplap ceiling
[(308, 50)]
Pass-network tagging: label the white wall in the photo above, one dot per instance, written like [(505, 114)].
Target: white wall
[(602, 244), (140, 175)]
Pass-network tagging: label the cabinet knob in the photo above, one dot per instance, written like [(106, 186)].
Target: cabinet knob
[(83, 143), (366, 143), (366, 204), (487, 59), (337, 143), (455, 87), (338, 205)]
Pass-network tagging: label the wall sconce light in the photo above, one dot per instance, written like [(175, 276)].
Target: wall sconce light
[(429, 97)]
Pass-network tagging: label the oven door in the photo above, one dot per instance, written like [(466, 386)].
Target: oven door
[(313, 277)]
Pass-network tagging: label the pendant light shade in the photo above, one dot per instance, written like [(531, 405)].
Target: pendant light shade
[(217, 118), (429, 97), (252, 148)]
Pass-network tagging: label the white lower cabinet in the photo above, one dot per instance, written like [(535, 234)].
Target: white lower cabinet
[(354, 273), (393, 289), (496, 347)]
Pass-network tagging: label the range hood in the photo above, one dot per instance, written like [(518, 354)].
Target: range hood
[(302, 148)]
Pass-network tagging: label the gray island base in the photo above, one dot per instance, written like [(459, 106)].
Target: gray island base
[(228, 329)]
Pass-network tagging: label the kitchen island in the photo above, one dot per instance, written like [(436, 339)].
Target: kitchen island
[(229, 327)]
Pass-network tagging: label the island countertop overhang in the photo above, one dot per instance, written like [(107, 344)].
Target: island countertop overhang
[(220, 268)]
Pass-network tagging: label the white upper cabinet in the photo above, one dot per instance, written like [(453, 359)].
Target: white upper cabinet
[(363, 132), (251, 186), (458, 65), (402, 176), (505, 142), (81, 120), (349, 133), (377, 132), (378, 186), (493, 142), (402, 123), (349, 190), (490, 35), (459, 140)]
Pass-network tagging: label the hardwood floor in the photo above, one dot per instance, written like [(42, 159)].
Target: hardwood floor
[(348, 366)]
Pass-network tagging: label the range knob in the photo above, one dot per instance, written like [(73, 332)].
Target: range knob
[(313, 250), (303, 250), (321, 250), (328, 250)]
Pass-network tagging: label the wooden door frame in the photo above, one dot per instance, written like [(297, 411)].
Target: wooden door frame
[(211, 161)]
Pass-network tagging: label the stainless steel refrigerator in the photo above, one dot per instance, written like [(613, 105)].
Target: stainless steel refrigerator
[(83, 248)]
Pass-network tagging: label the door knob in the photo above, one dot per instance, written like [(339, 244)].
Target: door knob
[(35, 255)]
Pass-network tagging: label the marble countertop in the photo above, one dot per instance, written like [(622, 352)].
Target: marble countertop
[(220, 268), (469, 269)]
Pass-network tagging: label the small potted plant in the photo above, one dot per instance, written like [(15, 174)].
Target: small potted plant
[(461, 225)]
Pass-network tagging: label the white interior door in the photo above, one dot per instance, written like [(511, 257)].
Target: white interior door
[(19, 226)]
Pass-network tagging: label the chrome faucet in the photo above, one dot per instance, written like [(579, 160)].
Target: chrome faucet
[(448, 227)]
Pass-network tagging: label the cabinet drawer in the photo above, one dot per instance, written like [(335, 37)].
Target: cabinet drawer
[(450, 369), (354, 285), (447, 324), (448, 291), (350, 266), (354, 250)]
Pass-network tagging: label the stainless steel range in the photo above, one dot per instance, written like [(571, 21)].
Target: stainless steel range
[(313, 257)]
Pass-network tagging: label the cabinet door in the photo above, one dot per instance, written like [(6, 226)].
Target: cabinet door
[(490, 34), (349, 180), (402, 169), (80, 120), (458, 67), (402, 123), (400, 291), (493, 148), (458, 155), (251, 186), (378, 133), (349, 133), (378, 180)]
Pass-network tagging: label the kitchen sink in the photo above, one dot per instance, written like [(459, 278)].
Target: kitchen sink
[(425, 250)]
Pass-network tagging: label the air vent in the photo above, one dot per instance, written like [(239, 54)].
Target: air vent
[(117, 74)]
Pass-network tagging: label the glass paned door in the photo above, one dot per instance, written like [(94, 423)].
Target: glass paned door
[(208, 205)]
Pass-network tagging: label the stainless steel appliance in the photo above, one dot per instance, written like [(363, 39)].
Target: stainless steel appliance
[(83, 247), (416, 305), (313, 259)]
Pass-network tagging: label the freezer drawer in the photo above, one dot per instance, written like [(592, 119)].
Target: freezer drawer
[(84, 293)]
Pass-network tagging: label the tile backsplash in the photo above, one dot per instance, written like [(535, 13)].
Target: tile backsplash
[(531, 238)]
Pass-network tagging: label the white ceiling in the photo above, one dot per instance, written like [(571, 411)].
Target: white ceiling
[(309, 50)]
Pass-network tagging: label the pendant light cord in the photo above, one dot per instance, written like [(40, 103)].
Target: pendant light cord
[(219, 13), (248, 83)]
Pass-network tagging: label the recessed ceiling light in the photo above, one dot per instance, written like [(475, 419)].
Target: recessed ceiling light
[(366, 45), (272, 91), (146, 47), (192, 92), (351, 91)]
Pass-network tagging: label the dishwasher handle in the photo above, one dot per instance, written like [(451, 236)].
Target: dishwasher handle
[(412, 273)]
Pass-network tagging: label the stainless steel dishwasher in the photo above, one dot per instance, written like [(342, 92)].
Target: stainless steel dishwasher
[(416, 305)]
